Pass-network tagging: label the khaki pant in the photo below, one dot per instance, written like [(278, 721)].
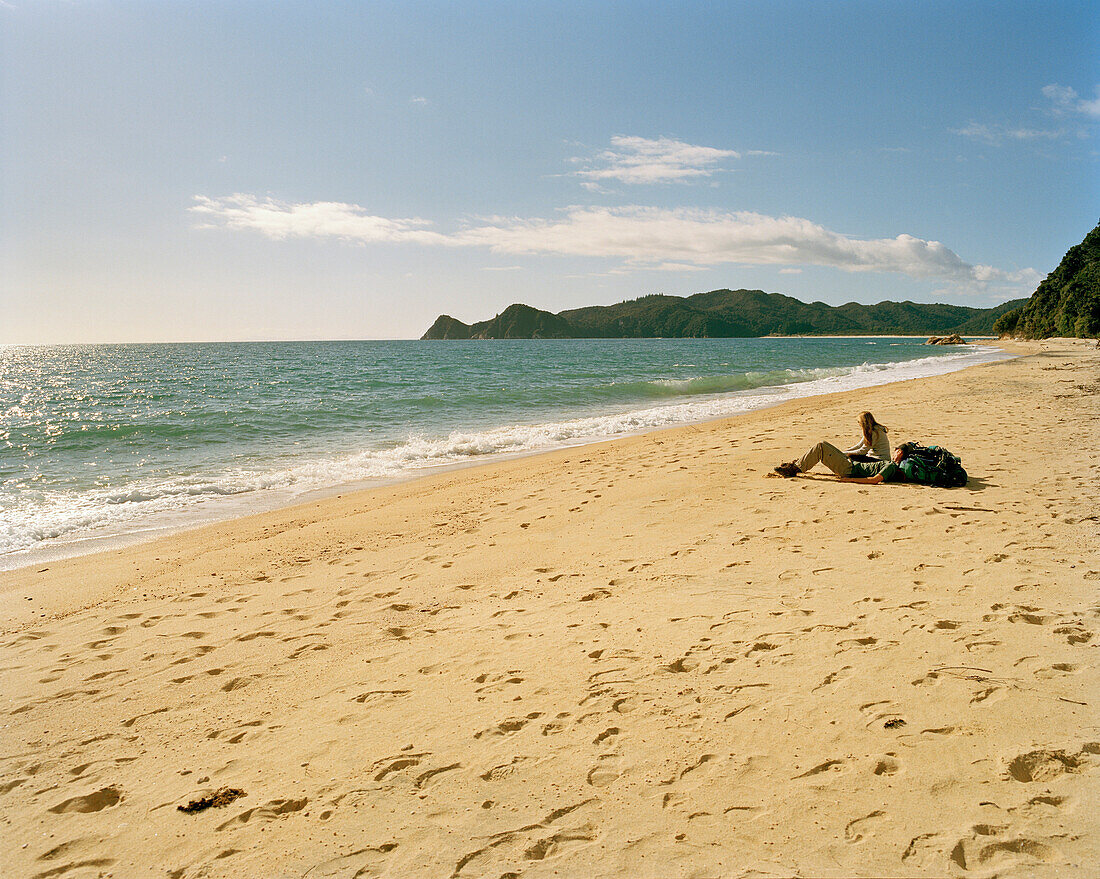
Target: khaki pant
[(827, 454)]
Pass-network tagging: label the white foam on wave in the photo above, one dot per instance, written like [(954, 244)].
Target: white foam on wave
[(192, 500)]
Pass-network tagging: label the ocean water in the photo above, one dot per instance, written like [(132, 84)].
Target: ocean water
[(118, 441)]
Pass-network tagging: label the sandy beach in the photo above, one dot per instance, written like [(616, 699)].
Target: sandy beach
[(641, 658)]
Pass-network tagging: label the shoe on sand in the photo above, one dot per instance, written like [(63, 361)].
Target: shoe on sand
[(787, 470)]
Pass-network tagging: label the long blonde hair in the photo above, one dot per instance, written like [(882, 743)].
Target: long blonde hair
[(868, 424)]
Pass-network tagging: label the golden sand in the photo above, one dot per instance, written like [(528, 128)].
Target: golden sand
[(638, 658)]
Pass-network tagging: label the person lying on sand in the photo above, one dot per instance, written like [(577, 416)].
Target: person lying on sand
[(875, 444), (847, 470)]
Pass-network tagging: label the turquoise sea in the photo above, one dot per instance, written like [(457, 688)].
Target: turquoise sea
[(114, 442)]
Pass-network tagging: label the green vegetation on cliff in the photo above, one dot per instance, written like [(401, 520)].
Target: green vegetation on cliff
[(724, 313), (1067, 303)]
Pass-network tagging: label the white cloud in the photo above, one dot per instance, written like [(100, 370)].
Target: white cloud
[(660, 160), (1066, 100), (986, 281), (638, 237), (418, 99), (321, 219), (650, 235), (790, 271)]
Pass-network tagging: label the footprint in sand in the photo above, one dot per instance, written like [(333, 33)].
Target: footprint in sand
[(267, 812), (237, 683), (850, 643), (608, 733), (698, 765), (389, 765), (1075, 633), (424, 777), (511, 846), (880, 712), (69, 850), (833, 677), (266, 633), (605, 771), (133, 720), (1043, 764), (1026, 613), (306, 649), (827, 766), (496, 683), (507, 727), (372, 696), (1057, 670), (556, 726), (859, 828), (887, 764), (988, 695), (983, 847), (503, 770), (93, 802), (368, 861)]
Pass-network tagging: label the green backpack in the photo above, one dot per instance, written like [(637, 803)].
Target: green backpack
[(933, 465)]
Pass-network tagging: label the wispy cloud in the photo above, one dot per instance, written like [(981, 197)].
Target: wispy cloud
[(645, 160), (1066, 100), (418, 99), (675, 267), (997, 134), (1064, 105), (638, 237)]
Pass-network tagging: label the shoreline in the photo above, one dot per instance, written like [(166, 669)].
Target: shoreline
[(154, 524), (639, 657), (306, 341)]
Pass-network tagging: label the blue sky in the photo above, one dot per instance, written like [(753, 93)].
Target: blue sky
[(235, 170)]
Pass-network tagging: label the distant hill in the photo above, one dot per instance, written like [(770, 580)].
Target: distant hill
[(1067, 303), (725, 314)]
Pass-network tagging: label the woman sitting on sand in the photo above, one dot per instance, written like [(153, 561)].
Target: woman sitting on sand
[(875, 445)]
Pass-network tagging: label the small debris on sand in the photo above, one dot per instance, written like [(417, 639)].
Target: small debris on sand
[(223, 797)]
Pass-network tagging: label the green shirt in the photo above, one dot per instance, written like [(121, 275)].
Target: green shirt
[(887, 469)]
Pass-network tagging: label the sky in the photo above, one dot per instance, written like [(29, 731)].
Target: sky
[(208, 171)]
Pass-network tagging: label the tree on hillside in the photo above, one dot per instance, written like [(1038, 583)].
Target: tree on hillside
[(1067, 302)]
